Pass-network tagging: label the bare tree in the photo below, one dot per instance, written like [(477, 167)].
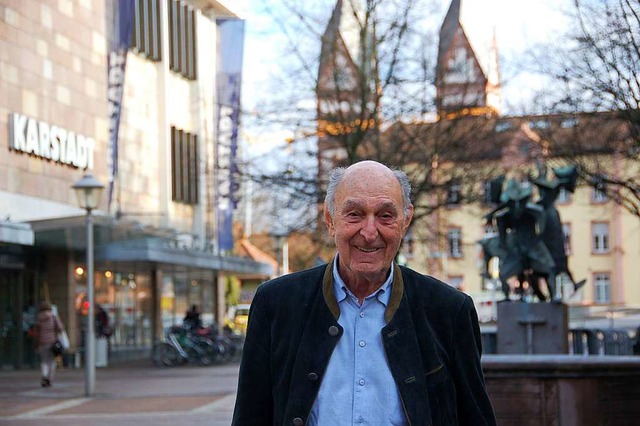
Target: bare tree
[(595, 76), (359, 83)]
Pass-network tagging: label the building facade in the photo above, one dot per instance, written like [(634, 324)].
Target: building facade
[(158, 227), (601, 237)]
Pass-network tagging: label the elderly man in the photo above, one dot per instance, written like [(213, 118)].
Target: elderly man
[(362, 340)]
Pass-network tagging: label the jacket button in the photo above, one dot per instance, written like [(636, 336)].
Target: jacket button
[(312, 376), (298, 422), (333, 330)]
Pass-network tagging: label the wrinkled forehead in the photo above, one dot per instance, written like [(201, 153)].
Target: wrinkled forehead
[(369, 183)]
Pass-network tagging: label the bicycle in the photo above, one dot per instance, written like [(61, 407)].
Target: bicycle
[(182, 346)]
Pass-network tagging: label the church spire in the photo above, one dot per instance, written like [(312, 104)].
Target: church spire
[(467, 73)]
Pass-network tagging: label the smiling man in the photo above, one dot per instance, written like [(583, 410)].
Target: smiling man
[(362, 341)]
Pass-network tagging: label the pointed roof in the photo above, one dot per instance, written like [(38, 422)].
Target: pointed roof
[(254, 253), (344, 23), (448, 29), (479, 32)]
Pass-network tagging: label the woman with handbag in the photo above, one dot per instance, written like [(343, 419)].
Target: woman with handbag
[(47, 327)]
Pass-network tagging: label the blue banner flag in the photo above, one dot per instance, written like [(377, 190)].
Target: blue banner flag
[(121, 31), (229, 80)]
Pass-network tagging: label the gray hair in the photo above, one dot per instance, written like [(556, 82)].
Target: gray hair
[(337, 175)]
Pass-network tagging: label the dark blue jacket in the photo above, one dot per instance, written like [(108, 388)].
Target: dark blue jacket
[(432, 342)]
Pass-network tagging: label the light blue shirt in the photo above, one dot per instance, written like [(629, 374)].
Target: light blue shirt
[(357, 387)]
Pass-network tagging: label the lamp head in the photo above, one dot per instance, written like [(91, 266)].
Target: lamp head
[(88, 190)]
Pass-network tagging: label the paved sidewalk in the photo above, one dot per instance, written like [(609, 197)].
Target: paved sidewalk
[(133, 394)]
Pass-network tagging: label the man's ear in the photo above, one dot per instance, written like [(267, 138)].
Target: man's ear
[(408, 218), (328, 221)]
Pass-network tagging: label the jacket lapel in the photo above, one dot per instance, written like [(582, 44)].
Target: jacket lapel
[(408, 361)]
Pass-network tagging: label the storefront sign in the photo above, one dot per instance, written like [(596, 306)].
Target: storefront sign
[(51, 142)]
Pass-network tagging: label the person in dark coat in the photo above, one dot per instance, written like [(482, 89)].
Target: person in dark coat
[(192, 319), (362, 340)]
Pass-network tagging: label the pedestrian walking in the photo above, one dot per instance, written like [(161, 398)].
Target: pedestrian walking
[(47, 328)]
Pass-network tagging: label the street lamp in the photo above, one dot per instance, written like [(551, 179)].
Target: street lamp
[(89, 189)]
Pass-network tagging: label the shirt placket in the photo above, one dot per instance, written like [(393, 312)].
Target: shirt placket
[(360, 379)]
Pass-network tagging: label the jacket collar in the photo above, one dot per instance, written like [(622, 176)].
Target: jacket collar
[(330, 299)]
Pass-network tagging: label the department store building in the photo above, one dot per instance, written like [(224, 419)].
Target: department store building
[(159, 240)]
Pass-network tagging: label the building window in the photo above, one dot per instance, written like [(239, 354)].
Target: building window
[(598, 196), (502, 126), (453, 194), (564, 196), (454, 241), (486, 192), (146, 38), (182, 38), (539, 124), (569, 123), (602, 289), (566, 233), (456, 281), (598, 191), (184, 166), (600, 237)]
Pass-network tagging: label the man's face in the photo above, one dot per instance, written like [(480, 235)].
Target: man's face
[(368, 223)]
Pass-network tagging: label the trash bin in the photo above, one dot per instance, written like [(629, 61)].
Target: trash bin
[(102, 352)]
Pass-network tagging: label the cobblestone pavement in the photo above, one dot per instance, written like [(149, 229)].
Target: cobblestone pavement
[(133, 394)]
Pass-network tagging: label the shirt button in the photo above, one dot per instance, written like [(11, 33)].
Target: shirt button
[(361, 382), (360, 419), (361, 314), (333, 330), (362, 343)]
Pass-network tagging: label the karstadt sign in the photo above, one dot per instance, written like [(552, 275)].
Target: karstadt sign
[(51, 142)]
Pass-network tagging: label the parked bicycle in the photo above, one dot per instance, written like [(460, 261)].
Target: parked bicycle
[(181, 346)]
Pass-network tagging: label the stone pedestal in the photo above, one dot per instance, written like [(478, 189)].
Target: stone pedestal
[(532, 328)]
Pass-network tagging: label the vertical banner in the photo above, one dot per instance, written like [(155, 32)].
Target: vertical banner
[(228, 79), (121, 31)]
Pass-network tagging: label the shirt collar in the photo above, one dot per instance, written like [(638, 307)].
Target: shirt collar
[(341, 291)]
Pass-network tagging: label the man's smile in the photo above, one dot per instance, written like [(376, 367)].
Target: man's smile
[(368, 250)]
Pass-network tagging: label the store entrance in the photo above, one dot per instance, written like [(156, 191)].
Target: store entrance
[(18, 311), (10, 327)]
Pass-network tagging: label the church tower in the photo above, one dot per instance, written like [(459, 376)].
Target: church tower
[(467, 71)]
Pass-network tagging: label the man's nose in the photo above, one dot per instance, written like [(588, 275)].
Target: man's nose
[(369, 229)]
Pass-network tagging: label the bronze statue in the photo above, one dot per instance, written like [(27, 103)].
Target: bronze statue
[(530, 241)]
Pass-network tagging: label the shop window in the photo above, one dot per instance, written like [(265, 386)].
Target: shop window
[(454, 240), (184, 166), (147, 29), (600, 237), (602, 290), (182, 38)]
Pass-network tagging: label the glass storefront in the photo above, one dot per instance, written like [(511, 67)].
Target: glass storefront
[(126, 297), (182, 289)]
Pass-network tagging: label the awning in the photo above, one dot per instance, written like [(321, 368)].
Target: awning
[(122, 240), (16, 233)]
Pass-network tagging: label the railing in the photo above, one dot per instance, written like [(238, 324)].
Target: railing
[(585, 341)]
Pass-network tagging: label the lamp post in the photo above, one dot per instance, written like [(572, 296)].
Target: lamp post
[(89, 189)]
